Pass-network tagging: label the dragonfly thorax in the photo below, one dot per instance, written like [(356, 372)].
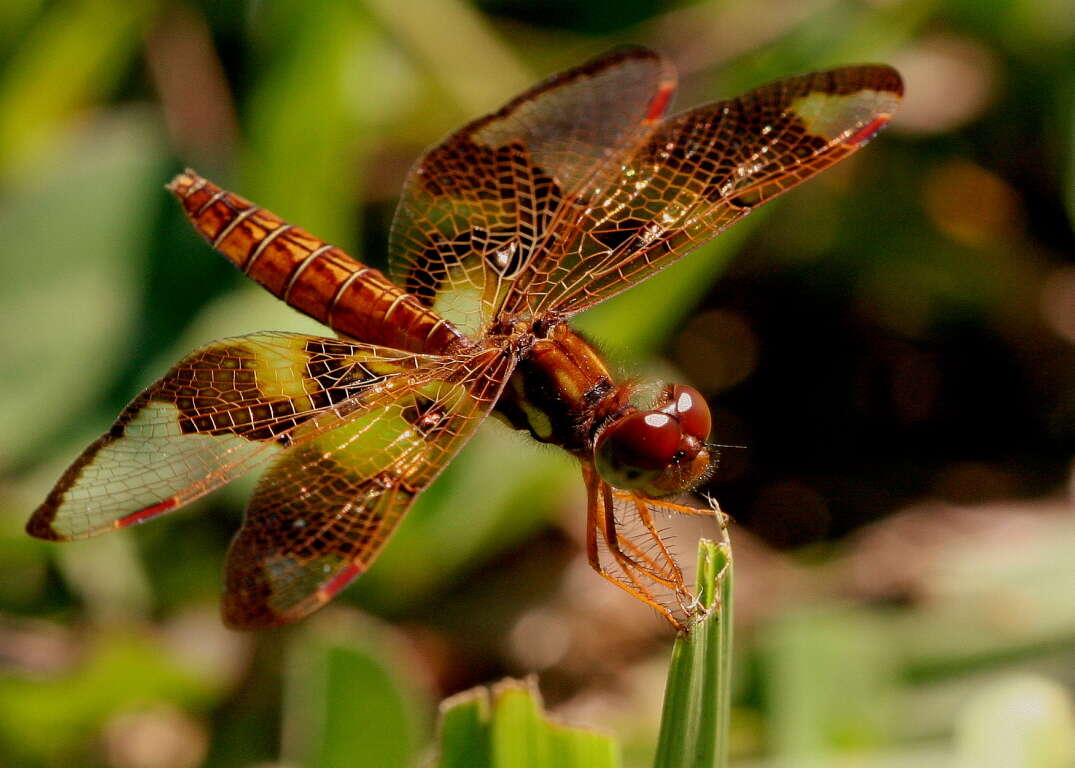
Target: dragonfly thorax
[(563, 393), (560, 390)]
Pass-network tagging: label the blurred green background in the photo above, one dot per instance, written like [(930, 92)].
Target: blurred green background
[(892, 346)]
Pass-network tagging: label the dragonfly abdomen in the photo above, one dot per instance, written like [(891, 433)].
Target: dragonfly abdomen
[(314, 277)]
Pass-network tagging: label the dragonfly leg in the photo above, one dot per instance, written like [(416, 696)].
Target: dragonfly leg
[(597, 525)]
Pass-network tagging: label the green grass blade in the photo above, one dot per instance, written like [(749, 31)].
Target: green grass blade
[(507, 728), (697, 699)]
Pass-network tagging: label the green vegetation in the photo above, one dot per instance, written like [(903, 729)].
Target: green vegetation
[(697, 697), (891, 344), (505, 728)]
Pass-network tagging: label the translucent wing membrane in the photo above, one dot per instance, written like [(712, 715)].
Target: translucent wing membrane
[(580, 188), (624, 544), (221, 410), (698, 173), (322, 512), (478, 209)]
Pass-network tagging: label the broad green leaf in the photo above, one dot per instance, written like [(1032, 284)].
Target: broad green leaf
[(15, 15), (309, 115), (347, 701), (478, 81), (507, 728)]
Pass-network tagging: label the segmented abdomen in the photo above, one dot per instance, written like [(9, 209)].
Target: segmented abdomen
[(312, 276)]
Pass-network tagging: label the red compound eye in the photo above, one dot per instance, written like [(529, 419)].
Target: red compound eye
[(645, 440), (689, 407), (632, 450)]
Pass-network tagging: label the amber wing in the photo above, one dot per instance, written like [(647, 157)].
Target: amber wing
[(697, 174), (220, 411), (323, 510), (580, 188), (478, 209)]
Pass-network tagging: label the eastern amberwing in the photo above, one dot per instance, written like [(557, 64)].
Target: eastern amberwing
[(574, 191)]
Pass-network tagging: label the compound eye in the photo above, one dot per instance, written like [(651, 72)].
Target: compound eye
[(690, 408), (631, 451)]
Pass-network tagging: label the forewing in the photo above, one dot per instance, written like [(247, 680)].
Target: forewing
[(477, 209), (698, 173), (323, 510), (221, 410)]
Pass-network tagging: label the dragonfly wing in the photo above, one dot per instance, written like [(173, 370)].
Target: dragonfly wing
[(476, 210), (580, 188), (701, 171), (221, 410), (321, 513)]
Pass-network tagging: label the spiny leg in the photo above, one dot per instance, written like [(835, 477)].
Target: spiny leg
[(670, 577), (684, 596), (632, 589), (614, 541), (594, 522)]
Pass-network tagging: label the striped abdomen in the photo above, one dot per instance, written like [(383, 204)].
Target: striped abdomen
[(312, 276)]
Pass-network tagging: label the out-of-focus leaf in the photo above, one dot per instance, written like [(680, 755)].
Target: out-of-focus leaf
[(829, 684), (991, 601), (1020, 722), (931, 756), (837, 34), (478, 81), (107, 575), (70, 241), (347, 702), (697, 697), (70, 58), (14, 16), (309, 115), (506, 728), (41, 719), (23, 561), (878, 32)]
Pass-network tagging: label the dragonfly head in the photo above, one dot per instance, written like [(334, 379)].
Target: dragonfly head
[(659, 451)]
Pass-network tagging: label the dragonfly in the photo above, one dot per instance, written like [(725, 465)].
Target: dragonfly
[(571, 193)]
